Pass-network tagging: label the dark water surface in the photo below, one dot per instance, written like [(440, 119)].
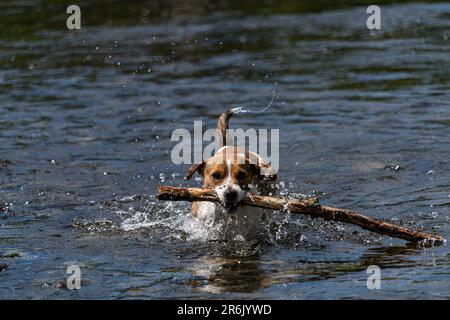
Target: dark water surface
[(85, 125)]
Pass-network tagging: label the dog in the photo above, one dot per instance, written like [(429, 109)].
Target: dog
[(233, 172)]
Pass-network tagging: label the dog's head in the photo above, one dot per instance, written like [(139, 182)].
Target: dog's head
[(232, 172)]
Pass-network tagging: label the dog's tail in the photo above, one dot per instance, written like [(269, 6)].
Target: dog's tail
[(222, 126)]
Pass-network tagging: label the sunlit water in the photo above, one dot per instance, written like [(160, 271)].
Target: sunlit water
[(86, 119)]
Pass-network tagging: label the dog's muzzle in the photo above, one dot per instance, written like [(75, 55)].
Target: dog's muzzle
[(230, 200)]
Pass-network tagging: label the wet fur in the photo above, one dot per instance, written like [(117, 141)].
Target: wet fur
[(232, 173)]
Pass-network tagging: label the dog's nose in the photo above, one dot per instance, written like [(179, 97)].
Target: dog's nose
[(231, 197)]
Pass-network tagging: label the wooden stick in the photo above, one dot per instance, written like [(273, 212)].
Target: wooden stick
[(310, 207)]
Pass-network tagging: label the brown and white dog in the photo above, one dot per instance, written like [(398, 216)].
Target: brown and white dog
[(232, 173)]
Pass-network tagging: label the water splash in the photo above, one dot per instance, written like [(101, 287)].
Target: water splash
[(173, 219), (172, 222), (238, 110)]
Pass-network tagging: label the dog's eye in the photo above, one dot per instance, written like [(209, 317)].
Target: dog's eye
[(216, 176), (241, 175)]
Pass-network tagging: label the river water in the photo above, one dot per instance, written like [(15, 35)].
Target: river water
[(86, 118)]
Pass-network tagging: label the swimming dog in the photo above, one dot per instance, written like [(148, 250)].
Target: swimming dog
[(233, 172)]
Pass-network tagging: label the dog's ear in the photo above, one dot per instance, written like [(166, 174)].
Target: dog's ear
[(266, 176), (263, 169), (266, 171), (196, 167), (266, 179)]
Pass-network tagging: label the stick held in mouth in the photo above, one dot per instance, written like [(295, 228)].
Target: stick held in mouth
[(310, 207)]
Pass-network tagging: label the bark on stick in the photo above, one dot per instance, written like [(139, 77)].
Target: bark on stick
[(310, 207)]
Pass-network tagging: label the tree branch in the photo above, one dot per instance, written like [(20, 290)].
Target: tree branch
[(310, 207)]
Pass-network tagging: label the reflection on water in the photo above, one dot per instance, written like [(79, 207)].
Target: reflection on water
[(228, 274), (249, 274), (86, 119)]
